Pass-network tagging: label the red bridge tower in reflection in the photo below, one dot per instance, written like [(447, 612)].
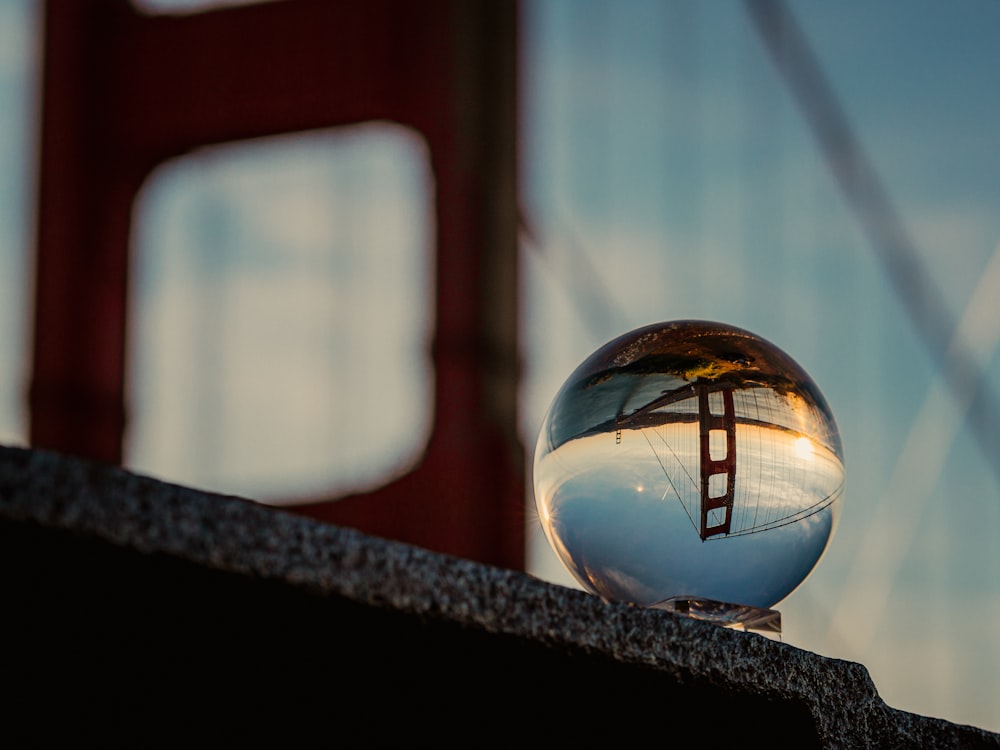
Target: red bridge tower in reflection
[(718, 475)]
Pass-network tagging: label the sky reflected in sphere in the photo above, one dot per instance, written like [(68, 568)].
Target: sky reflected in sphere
[(689, 459)]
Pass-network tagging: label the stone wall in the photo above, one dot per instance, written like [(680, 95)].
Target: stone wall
[(143, 613)]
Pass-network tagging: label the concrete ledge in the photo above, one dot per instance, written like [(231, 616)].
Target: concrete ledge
[(143, 613)]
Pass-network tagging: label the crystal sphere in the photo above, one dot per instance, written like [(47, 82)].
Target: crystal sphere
[(689, 459)]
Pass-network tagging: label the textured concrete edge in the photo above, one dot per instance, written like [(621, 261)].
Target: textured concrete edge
[(241, 536)]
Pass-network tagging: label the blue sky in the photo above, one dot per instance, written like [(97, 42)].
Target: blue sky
[(668, 174)]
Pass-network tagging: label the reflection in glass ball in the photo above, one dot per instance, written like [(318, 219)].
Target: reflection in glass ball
[(689, 459)]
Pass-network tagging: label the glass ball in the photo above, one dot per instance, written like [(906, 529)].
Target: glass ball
[(689, 459)]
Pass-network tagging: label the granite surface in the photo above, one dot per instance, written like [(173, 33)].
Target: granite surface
[(138, 609)]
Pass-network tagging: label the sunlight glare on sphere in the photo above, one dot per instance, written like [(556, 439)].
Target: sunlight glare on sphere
[(803, 448)]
